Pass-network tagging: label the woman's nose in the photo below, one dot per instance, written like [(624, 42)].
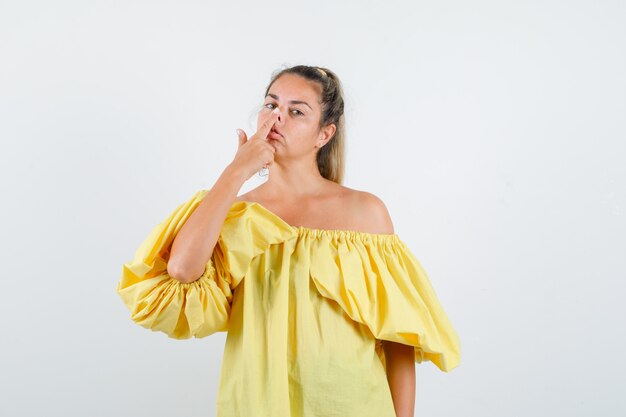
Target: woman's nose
[(280, 114)]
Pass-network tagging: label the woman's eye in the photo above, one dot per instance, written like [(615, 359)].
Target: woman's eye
[(296, 110)]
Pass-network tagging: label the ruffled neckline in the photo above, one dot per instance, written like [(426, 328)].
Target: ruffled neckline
[(317, 232)]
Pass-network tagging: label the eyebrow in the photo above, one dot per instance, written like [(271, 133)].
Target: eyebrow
[(292, 101)]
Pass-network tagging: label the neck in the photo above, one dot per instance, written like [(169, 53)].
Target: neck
[(293, 180)]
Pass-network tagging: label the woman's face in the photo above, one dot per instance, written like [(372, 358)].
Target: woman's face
[(298, 102)]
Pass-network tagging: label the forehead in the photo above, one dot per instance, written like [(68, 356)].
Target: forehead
[(293, 87)]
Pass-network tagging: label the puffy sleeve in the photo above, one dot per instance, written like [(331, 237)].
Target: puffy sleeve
[(159, 302), (378, 282)]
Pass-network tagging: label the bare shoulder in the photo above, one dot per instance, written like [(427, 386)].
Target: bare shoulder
[(371, 212)]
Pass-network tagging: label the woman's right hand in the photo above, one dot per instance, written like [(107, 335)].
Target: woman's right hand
[(256, 152)]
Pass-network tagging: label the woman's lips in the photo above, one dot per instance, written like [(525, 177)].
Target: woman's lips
[(274, 135)]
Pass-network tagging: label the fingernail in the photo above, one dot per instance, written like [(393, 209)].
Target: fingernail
[(237, 132)]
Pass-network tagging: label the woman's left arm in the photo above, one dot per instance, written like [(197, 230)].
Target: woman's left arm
[(399, 358), (400, 364)]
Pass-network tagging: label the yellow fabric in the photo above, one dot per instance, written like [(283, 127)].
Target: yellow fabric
[(305, 325)]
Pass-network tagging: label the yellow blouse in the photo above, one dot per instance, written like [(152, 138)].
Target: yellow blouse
[(305, 325)]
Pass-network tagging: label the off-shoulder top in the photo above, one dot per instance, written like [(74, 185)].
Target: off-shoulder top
[(305, 311)]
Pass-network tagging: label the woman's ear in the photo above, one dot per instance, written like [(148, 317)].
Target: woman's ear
[(327, 134)]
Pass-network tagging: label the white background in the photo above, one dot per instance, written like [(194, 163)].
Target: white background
[(493, 130)]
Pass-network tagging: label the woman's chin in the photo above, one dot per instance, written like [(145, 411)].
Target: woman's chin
[(274, 142)]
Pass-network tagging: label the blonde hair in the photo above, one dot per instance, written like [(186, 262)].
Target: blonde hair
[(331, 156)]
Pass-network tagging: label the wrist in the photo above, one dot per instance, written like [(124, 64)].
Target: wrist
[(234, 173)]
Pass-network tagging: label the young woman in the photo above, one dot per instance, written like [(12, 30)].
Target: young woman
[(327, 310)]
